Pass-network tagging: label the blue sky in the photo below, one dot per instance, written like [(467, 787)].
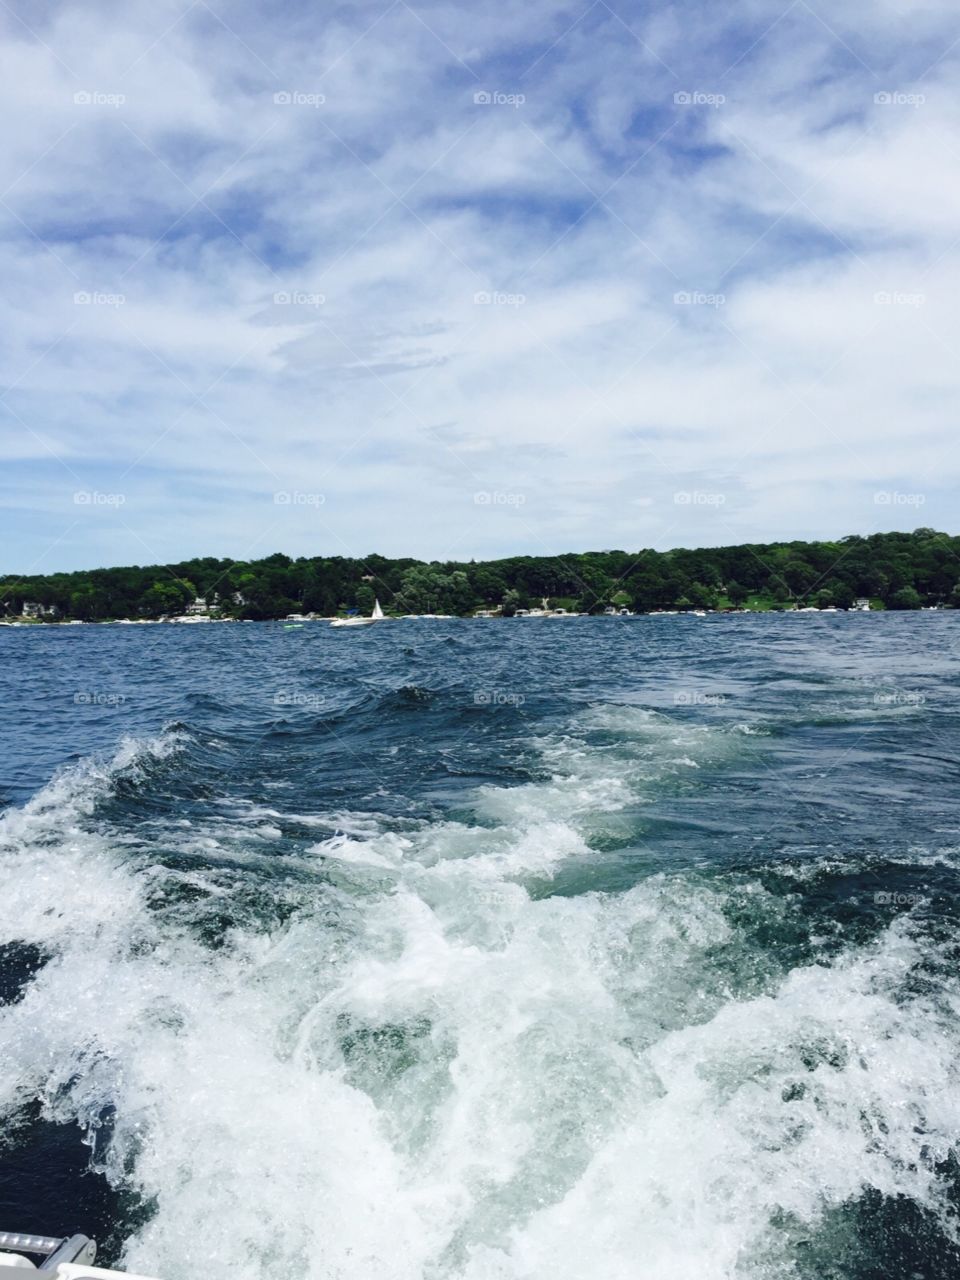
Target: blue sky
[(450, 281)]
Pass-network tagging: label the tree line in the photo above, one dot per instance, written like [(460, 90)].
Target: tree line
[(893, 570)]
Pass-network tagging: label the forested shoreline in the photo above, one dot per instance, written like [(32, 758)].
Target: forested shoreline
[(892, 570)]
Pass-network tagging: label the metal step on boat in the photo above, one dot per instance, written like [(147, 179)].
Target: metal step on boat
[(65, 1257)]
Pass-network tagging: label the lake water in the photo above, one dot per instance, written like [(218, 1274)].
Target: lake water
[(465, 950)]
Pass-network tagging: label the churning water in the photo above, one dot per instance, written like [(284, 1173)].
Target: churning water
[(485, 950)]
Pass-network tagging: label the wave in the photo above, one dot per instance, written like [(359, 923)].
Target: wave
[(421, 1061), (54, 858)]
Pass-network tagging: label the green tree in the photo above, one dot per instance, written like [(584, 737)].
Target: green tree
[(167, 595), (703, 597), (365, 598), (649, 590), (799, 576), (510, 603), (903, 570), (594, 588), (905, 598)]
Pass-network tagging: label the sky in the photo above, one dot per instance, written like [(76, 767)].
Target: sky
[(458, 280)]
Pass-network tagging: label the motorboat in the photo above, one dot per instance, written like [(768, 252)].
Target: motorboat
[(64, 1257)]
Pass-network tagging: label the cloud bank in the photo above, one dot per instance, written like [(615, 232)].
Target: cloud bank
[(455, 281)]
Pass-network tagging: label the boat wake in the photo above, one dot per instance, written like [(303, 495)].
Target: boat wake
[(408, 1048)]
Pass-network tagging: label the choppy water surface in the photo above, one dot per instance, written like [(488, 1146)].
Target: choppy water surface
[(484, 950)]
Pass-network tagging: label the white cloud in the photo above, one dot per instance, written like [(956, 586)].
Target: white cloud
[(582, 211)]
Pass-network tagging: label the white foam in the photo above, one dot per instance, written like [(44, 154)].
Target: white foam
[(53, 865), (432, 1072)]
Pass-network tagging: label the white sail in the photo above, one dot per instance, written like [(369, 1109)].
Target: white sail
[(377, 611)]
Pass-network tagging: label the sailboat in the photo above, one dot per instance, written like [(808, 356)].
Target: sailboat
[(377, 616)]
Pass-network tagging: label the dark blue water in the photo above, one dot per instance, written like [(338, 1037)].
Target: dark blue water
[(485, 949)]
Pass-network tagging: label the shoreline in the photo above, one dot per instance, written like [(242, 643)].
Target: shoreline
[(35, 624)]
